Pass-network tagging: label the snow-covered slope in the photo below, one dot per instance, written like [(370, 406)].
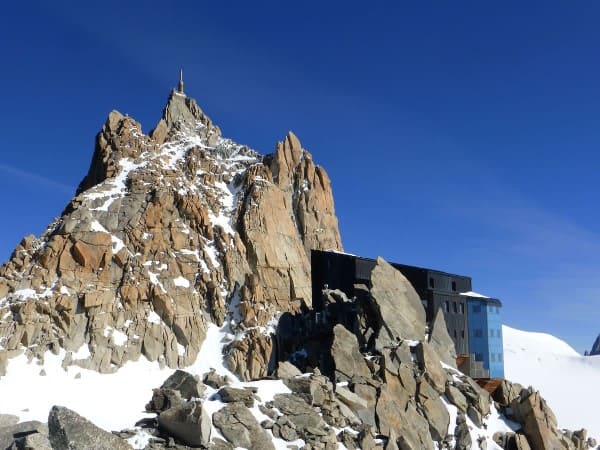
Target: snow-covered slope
[(567, 380)]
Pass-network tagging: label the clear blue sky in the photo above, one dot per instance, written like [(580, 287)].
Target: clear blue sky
[(462, 136)]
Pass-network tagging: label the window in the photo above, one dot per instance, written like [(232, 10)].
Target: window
[(431, 283), (478, 357), (461, 308), (476, 308), (462, 334), (454, 307), (455, 334), (454, 286), (491, 333), (478, 333), (499, 357), (446, 306), (493, 357)]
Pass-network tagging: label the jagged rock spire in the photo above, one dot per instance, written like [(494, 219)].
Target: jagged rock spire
[(596, 347)]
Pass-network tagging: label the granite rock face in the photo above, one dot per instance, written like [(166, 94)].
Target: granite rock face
[(167, 233), (397, 304), (441, 341)]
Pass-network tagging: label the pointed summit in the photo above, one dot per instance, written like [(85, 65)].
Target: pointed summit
[(596, 347), (182, 112)]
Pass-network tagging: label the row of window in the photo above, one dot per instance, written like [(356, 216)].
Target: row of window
[(498, 333), (491, 309), (432, 284), (479, 333), (457, 308), (462, 334), (496, 357)]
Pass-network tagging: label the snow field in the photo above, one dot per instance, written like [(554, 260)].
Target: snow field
[(565, 379)]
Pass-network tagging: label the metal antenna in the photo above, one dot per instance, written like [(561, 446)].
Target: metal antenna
[(180, 86)]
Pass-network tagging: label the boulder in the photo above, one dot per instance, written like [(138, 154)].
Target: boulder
[(8, 420), (506, 392), (286, 370), (347, 359), (477, 397), (429, 363), (188, 385), (315, 388), (520, 442), (188, 423), (440, 340), (538, 420), (229, 394), (462, 436), (35, 441), (68, 430), (11, 430), (353, 401), (396, 414), (434, 411), (399, 311), (456, 397), (237, 424), (214, 380), (298, 412), (163, 399)]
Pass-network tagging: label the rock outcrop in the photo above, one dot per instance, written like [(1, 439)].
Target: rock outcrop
[(167, 233), (68, 430), (596, 347)]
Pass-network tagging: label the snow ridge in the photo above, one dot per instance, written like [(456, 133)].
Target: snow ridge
[(567, 380)]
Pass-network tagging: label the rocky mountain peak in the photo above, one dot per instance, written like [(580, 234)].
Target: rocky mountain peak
[(168, 233), (596, 347), (183, 113)]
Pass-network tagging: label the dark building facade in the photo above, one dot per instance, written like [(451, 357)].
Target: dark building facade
[(438, 290), (442, 290)]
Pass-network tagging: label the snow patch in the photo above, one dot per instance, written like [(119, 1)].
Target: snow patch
[(473, 294), (564, 378), (181, 282), (153, 317)]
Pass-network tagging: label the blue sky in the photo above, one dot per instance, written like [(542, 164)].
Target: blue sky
[(462, 136)]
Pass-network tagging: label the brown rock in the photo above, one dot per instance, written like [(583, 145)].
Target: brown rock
[(429, 362), (441, 341), (347, 358), (400, 312), (538, 420)]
